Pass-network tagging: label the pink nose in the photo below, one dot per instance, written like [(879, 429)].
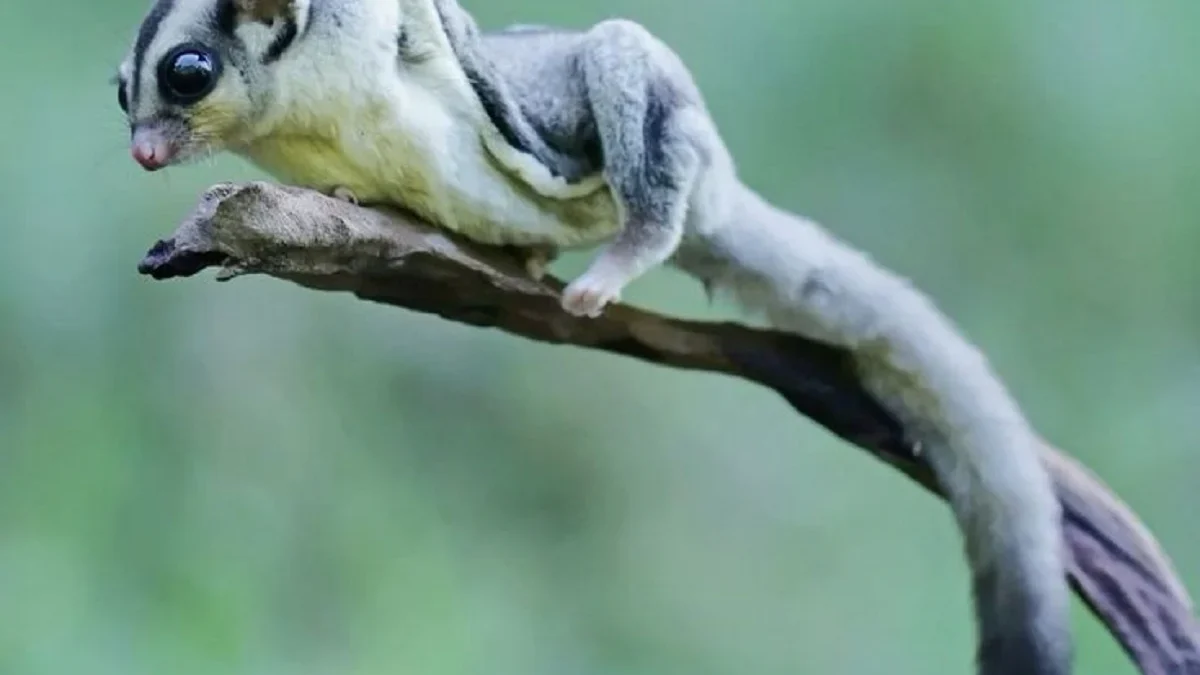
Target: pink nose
[(150, 149), (149, 156)]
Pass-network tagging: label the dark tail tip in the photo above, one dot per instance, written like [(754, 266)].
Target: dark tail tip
[(1024, 627), (1026, 652)]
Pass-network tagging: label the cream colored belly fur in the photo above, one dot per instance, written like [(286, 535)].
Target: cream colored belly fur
[(437, 166)]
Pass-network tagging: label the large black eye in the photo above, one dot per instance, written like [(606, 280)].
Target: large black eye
[(187, 74), (122, 97)]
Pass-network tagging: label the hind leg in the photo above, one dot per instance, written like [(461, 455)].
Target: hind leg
[(649, 162)]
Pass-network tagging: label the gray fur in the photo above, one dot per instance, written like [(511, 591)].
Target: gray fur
[(617, 87), (614, 101), (146, 33), (952, 405), (502, 106), (612, 98)]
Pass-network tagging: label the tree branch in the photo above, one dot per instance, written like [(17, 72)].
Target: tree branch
[(1116, 566)]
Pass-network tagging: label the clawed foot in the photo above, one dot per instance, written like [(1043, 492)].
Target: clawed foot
[(589, 294), (345, 194)]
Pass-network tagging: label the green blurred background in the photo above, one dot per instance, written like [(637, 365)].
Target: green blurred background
[(256, 479)]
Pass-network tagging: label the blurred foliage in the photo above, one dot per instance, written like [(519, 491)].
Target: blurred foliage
[(254, 479)]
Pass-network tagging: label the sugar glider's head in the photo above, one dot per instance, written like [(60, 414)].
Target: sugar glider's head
[(199, 76)]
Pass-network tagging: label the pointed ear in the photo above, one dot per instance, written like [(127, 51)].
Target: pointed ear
[(266, 10)]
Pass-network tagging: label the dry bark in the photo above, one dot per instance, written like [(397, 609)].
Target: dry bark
[(1116, 565)]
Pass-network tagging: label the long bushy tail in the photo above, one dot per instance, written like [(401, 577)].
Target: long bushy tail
[(974, 436), (1015, 549), (988, 461)]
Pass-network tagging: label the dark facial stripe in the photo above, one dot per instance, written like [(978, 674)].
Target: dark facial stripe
[(282, 41), (225, 18), (145, 36)]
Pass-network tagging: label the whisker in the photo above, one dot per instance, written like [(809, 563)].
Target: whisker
[(209, 156)]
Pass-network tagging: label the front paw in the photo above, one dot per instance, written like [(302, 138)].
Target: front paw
[(591, 293)]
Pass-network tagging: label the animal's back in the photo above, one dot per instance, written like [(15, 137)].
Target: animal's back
[(409, 144)]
